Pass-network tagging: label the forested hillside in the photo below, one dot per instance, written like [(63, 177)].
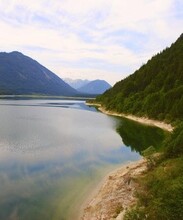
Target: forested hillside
[(155, 90)]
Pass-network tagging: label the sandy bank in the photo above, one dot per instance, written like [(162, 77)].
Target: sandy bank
[(160, 124), (116, 194)]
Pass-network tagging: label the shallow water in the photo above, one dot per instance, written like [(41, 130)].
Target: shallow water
[(52, 152)]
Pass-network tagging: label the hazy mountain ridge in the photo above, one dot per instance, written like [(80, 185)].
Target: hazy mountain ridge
[(21, 74), (89, 86), (76, 83), (95, 87)]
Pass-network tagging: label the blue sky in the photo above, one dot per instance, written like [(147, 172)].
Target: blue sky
[(94, 39)]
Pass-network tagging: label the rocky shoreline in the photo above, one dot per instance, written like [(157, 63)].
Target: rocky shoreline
[(116, 195), (143, 120)]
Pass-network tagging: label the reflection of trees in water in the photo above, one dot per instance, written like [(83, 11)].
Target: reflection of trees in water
[(138, 136)]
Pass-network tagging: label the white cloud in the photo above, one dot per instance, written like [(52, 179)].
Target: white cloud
[(90, 74), (117, 33)]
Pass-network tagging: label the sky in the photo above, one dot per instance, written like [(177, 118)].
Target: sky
[(90, 39)]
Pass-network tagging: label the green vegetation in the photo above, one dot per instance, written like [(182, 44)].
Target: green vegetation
[(161, 193), (140, 137), (119, 208), (156, 91)]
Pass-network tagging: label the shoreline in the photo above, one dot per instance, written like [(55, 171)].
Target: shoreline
[(143, 120), (115, 193)]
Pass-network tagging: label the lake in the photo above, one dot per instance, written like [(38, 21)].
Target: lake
[(53, 152)]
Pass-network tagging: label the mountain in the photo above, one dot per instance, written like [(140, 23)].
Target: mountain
[(20, 74), (155, 90), (87, 86), (76, 83), (95, 87)]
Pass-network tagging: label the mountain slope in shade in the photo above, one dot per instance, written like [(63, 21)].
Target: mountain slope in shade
[(155, 90), (76, 83), (95, 87), (20, 74)]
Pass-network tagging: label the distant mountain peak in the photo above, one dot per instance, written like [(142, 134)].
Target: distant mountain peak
[(21, 74), (95, 87), (16, 52), (92, 87), (76, 83)]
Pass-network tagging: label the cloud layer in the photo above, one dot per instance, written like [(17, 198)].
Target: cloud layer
[(105, 39)]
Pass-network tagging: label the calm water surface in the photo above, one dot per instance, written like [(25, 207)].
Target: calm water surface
[(52, 152)]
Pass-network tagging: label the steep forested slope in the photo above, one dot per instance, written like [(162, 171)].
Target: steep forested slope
[(155, 90)]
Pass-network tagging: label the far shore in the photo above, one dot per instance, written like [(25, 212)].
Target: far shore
[(39, 96), (143, 120)]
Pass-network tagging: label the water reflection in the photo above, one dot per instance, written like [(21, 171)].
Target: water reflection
[(138, 136), (76, 104), (50, 156)]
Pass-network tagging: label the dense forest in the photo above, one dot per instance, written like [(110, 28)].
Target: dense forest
[(156, 91)]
